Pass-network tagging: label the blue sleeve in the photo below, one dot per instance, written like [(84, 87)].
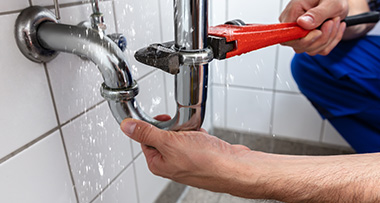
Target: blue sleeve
[(374, 5)]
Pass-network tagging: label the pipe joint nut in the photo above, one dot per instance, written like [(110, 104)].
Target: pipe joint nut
[(196, 57), (119, 94)]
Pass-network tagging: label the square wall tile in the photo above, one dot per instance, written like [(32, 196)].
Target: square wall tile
[(38, 174), (295, 117), (254, 11), (76, 82), (248, 110), (149, 186), (217, 72), (76, 85), (331, 136), (97, 149), (217, 12), (167, 20), (284, 77), (26, 104), (255, 69), (218, 101), (139, 21), (122, 190), (7, 6)]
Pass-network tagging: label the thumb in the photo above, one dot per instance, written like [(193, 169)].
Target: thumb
[(314, 17), (142, 132)]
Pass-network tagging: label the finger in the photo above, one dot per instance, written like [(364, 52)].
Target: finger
[(143, 132), (301, 45), (336, 40), (314, 17), (163, 117), (330, 30)]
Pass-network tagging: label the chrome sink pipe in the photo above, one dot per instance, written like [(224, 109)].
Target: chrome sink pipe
[(39, 37)]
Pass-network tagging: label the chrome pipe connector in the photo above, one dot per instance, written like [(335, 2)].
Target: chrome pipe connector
[(120, 94), (196, 57)]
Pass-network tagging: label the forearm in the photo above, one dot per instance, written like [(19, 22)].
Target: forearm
[(357, 7), (348, 178)]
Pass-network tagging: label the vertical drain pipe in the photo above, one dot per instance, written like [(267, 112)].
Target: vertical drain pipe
[(190, 28)]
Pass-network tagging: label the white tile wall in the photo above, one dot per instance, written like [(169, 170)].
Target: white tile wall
[(248, 110), (26, 105), (254, 11), (38, 174), (97, 149), (122, 190), (149, 186), (294, 117), (284, 78), (255, 69), (7, 6), (140, 30), (218, 106)]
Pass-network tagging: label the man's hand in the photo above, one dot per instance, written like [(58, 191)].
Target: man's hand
[(193, 158), (201, 160), (310, 14)]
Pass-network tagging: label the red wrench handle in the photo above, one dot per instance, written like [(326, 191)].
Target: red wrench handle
[(255, 36)]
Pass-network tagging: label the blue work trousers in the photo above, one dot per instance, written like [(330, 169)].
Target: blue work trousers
[(344, 87)]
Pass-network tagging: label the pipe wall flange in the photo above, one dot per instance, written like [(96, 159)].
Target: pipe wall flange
[(26, 27), (119, 94)]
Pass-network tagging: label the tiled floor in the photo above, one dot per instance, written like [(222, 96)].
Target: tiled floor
[(195, 195)]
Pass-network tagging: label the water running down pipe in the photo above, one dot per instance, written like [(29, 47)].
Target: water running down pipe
[(39, 37)]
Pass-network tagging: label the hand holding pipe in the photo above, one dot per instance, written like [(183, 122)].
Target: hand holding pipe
[(230, 40)]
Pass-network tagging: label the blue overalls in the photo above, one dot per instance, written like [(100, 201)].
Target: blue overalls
[(344, 87)]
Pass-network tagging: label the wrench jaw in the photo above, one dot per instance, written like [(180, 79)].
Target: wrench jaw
[(220, 47), (161, 56), (168, 58)]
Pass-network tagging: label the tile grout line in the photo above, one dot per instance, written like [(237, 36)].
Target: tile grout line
[(115, 17), (111, 182), (26, 146), (61, 132), (135, 176), (116, 177), (257, 89), (271, 122), (271, 127), (183, 195)]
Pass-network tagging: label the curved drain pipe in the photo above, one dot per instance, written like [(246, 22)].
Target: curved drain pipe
[(40, 37)]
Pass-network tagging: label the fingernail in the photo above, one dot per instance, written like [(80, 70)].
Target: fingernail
[(128, 127), (307, 19)]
